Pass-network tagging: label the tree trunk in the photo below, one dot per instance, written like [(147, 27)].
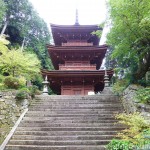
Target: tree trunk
[(4, 28)]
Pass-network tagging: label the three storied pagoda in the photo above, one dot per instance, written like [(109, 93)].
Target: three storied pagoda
[(77, 58)]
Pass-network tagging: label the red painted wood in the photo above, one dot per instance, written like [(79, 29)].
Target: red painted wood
[(76, 90)]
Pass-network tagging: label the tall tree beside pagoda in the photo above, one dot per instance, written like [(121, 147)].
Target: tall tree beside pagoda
[(129, 36), (2, 10), (26, 29)]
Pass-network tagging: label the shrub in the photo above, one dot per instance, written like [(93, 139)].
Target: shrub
[(116, 144), (136, 125), (33, 90), (22, 81), (37, 81), (143, 82), (143, 95), (120, 85), (11, 82), (136, 135), (21, 94)]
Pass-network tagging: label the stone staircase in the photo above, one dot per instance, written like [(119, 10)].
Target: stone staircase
[(67, 123)]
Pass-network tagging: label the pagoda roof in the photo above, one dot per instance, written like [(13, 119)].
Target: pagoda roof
[(60, 54), (65, 77), (66, 27), (63, 33), (75, 73)]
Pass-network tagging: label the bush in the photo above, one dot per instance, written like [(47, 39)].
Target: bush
[(136, 125), (116, 144), (136, 135), (144, 83), (33, 90), (143, 95), (120, 85), (22, 81), (22, 94), (11, 82), (37, 81)]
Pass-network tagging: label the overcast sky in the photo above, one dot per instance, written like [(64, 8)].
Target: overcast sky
[(63, 11)]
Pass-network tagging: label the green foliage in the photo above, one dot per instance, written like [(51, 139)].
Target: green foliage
[(116, 144), (37, 81), (136, 135), (26, 28), (16, 63), (22, 94), (143, 95), (11, 82), (143, 82), (33, 91), (136, 125), (3, 44), (99, 32), (129, 36), (120, 85), (2, 10), (25, 92)]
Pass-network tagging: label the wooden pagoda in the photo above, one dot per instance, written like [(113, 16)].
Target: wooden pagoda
[(77, 58)]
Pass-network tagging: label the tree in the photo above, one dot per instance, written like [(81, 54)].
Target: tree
[(2, 10), (129, 36), (18, 63), (26, 29)]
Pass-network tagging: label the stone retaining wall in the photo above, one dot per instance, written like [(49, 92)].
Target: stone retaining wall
[(131, 104), (10, 110)]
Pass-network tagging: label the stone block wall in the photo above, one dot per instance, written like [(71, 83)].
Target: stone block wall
[(10, 110), (130, 102)]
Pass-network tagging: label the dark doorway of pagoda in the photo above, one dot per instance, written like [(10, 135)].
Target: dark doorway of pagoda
[(98, 88)]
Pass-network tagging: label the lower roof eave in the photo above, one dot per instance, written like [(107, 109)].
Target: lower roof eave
[(76, 72)]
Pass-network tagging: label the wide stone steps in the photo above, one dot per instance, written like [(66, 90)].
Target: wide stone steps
[(59, 138), (65, 133), (62, 147), (64, 124), (68, 128), (68, 123)]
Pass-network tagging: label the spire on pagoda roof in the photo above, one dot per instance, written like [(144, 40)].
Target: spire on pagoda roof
[(76, 21)]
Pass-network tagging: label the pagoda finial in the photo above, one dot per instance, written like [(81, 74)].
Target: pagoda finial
[(77, 22)]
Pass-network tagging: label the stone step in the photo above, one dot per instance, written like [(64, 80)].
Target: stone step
[(76, 111), (75, 96), (68, 121), (45, 147), (65, 133), (76, 106), (60, 138), (83, 118), (53, 142), (64, 124), (82, 101), (73, 112), (68, 115), (98, 100), (112, 128), (109, 108)]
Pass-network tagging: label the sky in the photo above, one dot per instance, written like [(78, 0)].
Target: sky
[(63, 11)]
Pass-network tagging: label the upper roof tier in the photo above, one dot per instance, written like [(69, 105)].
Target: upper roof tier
[(68, 33)]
